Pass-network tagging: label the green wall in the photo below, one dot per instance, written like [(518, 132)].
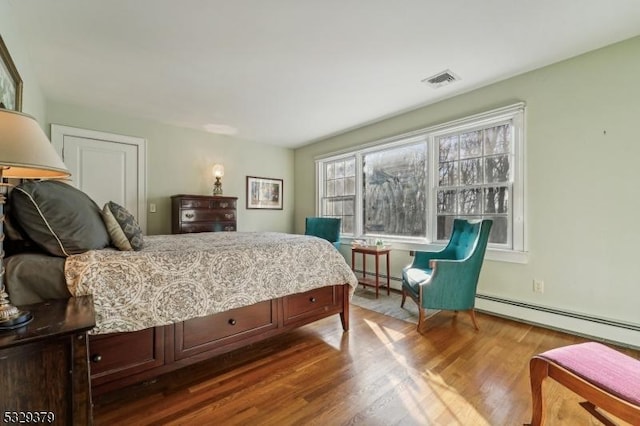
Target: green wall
[(583, 180), (33, 101), (179, 161)]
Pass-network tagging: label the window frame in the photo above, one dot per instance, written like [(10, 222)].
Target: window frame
[(515, 250)]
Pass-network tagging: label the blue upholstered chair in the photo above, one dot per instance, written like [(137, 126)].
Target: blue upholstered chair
[(327, 228), (447, 279)]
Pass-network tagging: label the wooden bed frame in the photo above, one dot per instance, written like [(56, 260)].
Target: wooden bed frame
[(121, 359)]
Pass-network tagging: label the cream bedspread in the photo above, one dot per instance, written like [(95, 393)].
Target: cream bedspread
[(178, 277)]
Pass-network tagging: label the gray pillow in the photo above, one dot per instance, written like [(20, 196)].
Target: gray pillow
[(123, 229), (58, 217), (34, 278)]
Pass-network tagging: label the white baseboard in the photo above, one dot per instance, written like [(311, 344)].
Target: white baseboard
[(605, 330), (601, 329)]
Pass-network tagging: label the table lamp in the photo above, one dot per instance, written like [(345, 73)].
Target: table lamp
[(218, 172), (25, 153)]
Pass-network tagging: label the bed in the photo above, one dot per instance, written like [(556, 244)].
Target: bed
[(175, 299)]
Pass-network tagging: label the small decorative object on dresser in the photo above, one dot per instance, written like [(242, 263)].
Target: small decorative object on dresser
[(218, 172), (202, 213)]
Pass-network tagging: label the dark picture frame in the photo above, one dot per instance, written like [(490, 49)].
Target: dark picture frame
[(10, 81), (264, 193)]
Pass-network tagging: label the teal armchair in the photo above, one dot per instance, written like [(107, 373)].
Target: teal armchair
[(447, 279), (327, 228)]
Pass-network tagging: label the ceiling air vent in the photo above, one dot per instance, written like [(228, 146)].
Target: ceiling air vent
[(441, 79)]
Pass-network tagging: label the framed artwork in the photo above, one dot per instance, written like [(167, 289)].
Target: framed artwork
[(10, 81), (264, 193)]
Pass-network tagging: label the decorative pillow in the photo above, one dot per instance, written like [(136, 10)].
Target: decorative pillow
[(123, 229), (59, 218)]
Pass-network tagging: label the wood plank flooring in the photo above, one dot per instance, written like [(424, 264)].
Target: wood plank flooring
[(382, 372)]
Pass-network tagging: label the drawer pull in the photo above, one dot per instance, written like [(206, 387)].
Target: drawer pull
[(312, 299), (96, 358), (224, 205), (189, 215), (228, 228), (228, 216), (232, 322)]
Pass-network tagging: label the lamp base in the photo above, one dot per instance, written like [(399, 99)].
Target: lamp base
[(217, 187), (21, 319)]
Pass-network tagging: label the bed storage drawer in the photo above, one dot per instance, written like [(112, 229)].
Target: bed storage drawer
[(113, 356), (203, 334), (308, 304)]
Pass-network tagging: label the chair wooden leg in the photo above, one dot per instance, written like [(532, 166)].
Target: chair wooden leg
[(420, 317), (404, 297), (472, 313)]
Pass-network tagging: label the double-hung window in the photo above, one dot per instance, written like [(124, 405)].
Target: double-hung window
[(408, 189), (339, 191)]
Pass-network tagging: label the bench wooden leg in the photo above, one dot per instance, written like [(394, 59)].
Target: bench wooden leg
[(538, 371), (593, 410)]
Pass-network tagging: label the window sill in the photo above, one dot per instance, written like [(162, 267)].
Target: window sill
[(492, 254)]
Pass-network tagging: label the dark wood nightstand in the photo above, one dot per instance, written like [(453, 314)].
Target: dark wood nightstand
[(44, 371)]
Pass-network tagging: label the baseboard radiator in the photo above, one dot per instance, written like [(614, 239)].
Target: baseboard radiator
[(592, 327)]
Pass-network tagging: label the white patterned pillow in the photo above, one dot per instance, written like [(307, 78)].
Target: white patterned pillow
[(123, 229)]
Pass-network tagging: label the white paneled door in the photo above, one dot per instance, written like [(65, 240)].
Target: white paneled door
[(106, 166)]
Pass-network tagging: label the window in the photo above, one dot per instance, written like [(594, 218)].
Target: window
[(339, 191), (474, 179), (394, 191), (409, 188)]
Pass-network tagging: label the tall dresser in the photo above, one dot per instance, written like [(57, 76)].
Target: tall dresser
[(202, 213)]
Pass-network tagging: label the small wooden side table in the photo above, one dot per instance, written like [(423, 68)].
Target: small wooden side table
[(377, 252), (44, 369)]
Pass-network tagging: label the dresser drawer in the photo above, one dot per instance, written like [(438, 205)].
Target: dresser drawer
[(310, 303), (193, 203), (123, 354), (186, 228), (203, 215), (201, 334)]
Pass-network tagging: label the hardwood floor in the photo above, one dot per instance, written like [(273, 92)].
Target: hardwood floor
[(382, 372)]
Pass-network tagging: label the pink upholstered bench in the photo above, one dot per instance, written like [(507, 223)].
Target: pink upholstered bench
[(604, 377)]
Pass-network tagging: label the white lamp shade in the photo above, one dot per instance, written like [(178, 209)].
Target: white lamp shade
[(25, 151), (218, 170)]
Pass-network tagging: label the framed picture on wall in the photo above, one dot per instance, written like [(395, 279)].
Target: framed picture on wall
[(264, 193), (10, 81)]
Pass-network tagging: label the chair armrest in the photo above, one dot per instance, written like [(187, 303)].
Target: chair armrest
[(423, 259)]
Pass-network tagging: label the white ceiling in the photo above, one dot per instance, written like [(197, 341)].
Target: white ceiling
[(288, 72)]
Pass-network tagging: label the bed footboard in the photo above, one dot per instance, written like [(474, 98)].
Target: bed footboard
[(121, 359)]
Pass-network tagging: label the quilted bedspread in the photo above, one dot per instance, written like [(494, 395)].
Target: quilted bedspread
[(178, 277)]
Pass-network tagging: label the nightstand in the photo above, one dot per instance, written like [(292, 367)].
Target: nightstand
[(44, 371)]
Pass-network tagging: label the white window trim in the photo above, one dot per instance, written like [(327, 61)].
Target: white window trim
[(515, 112)]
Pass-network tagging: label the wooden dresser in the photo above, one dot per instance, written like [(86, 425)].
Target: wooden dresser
[(202, 213)]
